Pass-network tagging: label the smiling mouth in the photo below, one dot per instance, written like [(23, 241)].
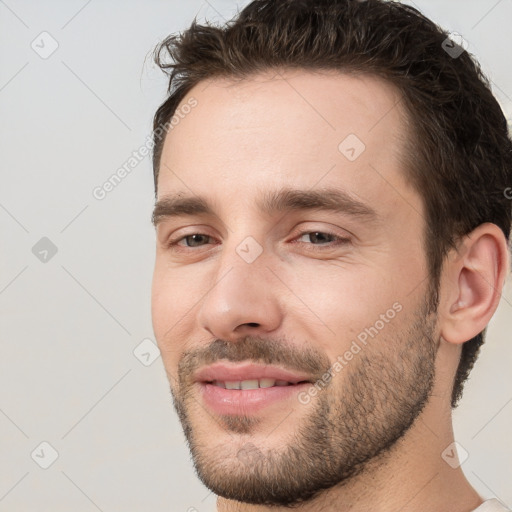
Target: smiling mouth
[(253, 383)]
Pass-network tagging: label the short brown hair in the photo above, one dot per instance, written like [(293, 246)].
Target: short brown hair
[(459, 155)]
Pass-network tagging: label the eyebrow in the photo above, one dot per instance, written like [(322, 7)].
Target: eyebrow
[(279, 201)]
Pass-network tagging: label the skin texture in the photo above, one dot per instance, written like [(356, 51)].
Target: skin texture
[(372, 438)]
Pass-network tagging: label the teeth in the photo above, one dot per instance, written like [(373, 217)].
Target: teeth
[(251, 384), (267, 383)]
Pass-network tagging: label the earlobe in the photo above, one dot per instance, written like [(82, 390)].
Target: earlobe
[(473, 280)]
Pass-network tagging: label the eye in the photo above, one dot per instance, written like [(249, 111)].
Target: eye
[(193, 240), (318, 236), (319, 239)]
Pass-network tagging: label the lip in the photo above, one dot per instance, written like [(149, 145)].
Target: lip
[(250, 401), (246, 371)]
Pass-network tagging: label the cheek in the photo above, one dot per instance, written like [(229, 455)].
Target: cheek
[(169, 306), (165, 327), (160, 303), (337, 291), (342, 301)]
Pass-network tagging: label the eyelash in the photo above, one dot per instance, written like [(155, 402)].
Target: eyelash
[(339, 241)]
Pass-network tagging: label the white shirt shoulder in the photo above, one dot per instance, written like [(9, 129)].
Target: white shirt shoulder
[(491, 506)]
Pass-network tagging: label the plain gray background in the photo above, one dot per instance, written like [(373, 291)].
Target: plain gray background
[(71, 321)]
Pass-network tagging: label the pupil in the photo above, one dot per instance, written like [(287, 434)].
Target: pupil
[(194, 239), (318, 237)]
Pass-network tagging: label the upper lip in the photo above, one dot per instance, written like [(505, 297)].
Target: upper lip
[(246, 371)]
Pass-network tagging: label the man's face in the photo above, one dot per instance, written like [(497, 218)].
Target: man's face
[(312, 303)]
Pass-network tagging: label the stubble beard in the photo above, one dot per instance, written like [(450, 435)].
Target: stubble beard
[(359, 417)]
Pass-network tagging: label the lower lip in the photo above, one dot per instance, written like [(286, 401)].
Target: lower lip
[(248, 401)]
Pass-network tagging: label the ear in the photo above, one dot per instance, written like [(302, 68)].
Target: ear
[(471, 283)]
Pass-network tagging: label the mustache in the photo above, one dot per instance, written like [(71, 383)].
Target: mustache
[(255, 349)]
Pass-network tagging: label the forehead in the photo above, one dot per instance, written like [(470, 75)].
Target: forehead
[(286, 127)]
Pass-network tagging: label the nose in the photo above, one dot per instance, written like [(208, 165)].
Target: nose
[(242, 300)]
